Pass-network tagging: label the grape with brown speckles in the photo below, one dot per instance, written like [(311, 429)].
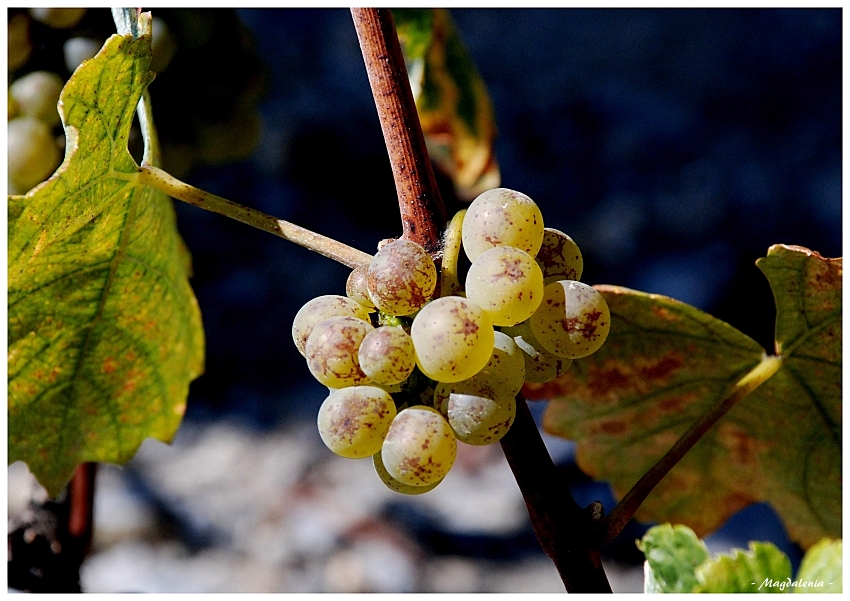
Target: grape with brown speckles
[(357, 289), (559, 257), (353, 422), (507, 283), (502, 217), (453, 338), (420, 447), (395, 485), (320, 309), (477, 416), (332, 355), (541, 366), (573, 320), (401, 277), (386, 355)]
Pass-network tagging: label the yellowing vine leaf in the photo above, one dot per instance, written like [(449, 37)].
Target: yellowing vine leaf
[(454, 109), (666, 363), (104, 330)]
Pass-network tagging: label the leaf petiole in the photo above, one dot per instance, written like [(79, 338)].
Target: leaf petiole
[(614, 522), (165, 182)]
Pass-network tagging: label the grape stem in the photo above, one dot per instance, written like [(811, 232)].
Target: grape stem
[(563, 529), (611, 525), (333, 249)]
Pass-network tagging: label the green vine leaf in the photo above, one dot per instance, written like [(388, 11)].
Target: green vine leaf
[(452, 101), (104, 330), (666, 363), (822, 563), (672, 553), (677, 561)]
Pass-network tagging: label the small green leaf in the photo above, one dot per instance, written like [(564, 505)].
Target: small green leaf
[(672, 555), (762, 569), (452, 101), (666, 363), (820, 570), (104, 330)]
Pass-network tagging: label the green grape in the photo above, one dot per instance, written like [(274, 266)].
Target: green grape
[(420, 447), (507, 283), (477, 415), (37, 94), (58, 18), (541, 366), (77, 50), (453, 338), (33, 152), (395, 485), (332, 351), (401, 277), (559, 257), (502, 217), (573, 320), (356, 289), (19, 46), (506, 367), (353, 422), (163, 45), (386, 355), (320, 309)]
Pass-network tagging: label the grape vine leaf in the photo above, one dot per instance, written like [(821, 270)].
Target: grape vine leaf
[(677, 561), (672, 555), (104, 330), (822, 563), (666, 363), (452, 101)]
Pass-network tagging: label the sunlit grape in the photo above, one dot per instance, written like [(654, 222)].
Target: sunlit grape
[(541, 366), (420, 447), (559, 257), (502, 217), (386, 355), (453, 338), (573, 320), (320, 309), (401, 277), (395, 485), (356, 287), (332, 351), (353, 422), (507, 283)]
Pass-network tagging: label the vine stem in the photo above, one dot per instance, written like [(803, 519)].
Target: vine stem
[(563, 529), (333, 249), (614, 522), (423, 213)]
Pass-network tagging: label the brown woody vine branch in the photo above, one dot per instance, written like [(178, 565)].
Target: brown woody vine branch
[(423, 214), (563, 529)]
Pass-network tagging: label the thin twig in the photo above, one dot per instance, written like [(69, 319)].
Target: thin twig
[(339, 252), (614, 522), (423, 214)]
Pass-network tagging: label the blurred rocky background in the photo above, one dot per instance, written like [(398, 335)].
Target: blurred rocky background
[(674, 146)]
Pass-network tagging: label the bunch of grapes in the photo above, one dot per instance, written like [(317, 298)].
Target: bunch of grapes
[(196, 53), (410, 375)]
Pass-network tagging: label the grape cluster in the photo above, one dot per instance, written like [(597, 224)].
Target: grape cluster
[(410, 375), (196, 53)]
